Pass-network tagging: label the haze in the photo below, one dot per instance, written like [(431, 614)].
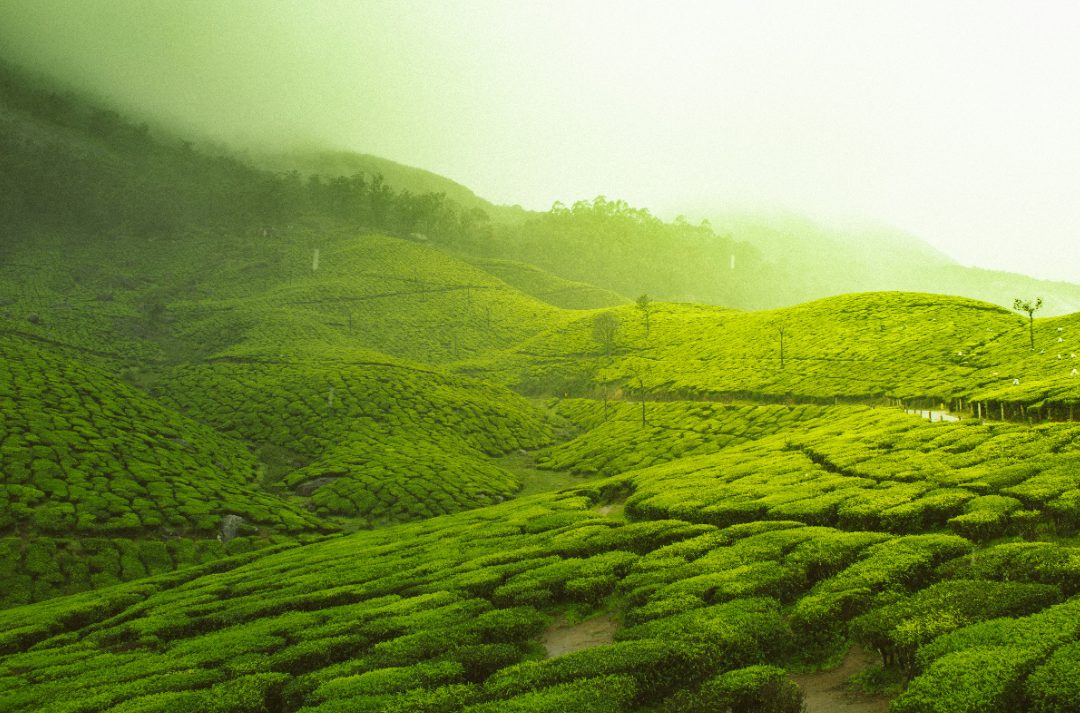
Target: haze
[(955, 122)]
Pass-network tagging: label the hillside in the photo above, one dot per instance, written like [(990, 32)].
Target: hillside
[(916, 348), (549, 288), (447, 613), (824, 260), (103, 484), (341, 443), (331, 164)]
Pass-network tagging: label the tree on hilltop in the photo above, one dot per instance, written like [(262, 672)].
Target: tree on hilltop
[(1031, 308)]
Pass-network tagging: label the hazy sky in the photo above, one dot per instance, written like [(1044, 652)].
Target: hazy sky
[(957, 121)]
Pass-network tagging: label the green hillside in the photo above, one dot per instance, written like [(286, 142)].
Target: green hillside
[(919, 348), (359, 441), (549, 288), (377, 438), (331, 164), (447, 614), (97, 475)]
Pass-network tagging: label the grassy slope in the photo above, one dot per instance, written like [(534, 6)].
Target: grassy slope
[(101, 483), (368, 434), (901, 345), (439, 613), (549, 288), (199, 315), (377, 437)]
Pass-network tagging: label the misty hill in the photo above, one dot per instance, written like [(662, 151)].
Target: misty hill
[(64, 158), (864, 257), (274, 442), (331, 164), (547, 287)]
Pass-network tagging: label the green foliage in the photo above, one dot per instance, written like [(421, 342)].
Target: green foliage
[(897, 630), (754, 689), (1054, 687), (604, 694), (90, 455), (987, 680), (162, 385)]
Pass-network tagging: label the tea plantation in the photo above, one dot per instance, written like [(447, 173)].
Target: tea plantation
[(379, 438), (772, 553), (887, 346), (281, 481), (281, 443), (103, 484)]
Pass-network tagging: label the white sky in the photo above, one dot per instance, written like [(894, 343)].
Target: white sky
[(957, 121)]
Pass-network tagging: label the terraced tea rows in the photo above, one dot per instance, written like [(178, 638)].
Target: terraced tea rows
[(102, 484), (758, 554), (547, 287), (84, 453), (35, 568), (379, 439), (369, 292), (879, 469), (615, 440), (855, 347)]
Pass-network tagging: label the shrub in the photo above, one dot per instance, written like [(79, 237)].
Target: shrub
[(979, 680), (605, 694), (899, 629), (754, 689), (656, 667), (1054, 687)]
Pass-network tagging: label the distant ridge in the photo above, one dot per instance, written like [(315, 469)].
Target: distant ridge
[(334, 162)]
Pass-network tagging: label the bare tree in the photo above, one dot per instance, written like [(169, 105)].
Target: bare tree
[(1031, 308), (606, 331), (642, 391), (782, 331), (645, 304)]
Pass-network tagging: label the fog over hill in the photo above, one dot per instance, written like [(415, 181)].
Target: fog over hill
[(290, 427), (917, 117)]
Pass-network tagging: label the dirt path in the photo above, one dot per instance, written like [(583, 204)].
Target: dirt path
[(827, 692), (562, 638)]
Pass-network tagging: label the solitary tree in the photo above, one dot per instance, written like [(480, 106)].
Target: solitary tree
[(782, 329), (1031, 308), (605, 331), (637, 376), (644, 303)]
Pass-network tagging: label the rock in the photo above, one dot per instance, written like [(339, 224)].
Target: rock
[(230, 525)]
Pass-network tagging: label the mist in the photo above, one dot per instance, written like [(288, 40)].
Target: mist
[(955, 123)]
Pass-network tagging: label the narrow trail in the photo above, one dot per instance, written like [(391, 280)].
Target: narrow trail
[(563, 638), (827, 691)]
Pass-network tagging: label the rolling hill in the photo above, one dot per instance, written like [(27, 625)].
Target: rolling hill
[(917, 348), (339, 444)]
